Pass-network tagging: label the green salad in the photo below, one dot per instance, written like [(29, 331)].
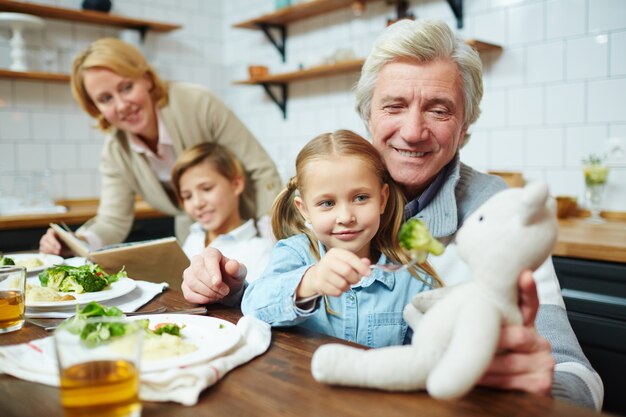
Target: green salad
[(93, 334), (78, 279)]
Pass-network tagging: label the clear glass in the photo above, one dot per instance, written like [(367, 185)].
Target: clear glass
[(593, 196), (12, 297), (595, 180), (100, 380)]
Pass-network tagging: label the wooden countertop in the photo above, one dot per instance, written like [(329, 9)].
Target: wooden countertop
[(78, 212), (600, 242)]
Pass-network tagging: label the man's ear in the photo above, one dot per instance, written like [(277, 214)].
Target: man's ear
[(239, 183), (461, 139), (384, 197), (301, 207)]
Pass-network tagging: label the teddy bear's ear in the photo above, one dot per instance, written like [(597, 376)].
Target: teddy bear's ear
[(534, 196)]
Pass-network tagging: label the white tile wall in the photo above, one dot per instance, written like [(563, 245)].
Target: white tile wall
[(556, 92)]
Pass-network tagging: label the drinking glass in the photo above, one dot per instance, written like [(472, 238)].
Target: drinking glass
[(99, 377), (595, 180), (12, 297)]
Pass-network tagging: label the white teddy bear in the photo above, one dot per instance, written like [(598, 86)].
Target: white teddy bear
[(455, 340)]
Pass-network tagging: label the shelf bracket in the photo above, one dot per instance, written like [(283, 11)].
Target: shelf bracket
[(457, 9), (142, 33), (402, 10), (282, 101), (279, 44)]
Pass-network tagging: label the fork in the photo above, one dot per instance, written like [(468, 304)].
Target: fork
[(394, 267), (51, 324)]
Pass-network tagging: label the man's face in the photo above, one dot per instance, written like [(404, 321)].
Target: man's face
[(416, 120)]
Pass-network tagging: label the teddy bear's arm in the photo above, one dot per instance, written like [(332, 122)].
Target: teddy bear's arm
[(423, 301), (395, 368)]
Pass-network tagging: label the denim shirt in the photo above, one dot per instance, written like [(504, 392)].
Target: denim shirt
[(370, 313)]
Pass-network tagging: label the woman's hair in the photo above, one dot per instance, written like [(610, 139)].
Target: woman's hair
[(287, 220), (422, 41), (220, 158), (120, 57)]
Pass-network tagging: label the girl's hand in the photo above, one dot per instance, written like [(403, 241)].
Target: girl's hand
[(333, 274)]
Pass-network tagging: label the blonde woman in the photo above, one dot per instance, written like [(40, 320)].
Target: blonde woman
[(148, 123)]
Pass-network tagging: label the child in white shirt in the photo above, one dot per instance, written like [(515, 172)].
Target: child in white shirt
[(209, 183)]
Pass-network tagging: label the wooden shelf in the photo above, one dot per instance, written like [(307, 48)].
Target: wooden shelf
[(296, 12), (341, 68), (85, 16), (483, 47), (34, 75), (309, 73)]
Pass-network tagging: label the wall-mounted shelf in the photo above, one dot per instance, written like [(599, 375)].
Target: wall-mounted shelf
[(305, 74), (86, 16), (282, 80), (274, 24), (34, 75), (296, 12)]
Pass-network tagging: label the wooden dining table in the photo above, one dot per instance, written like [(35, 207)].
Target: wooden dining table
[(279, 382)]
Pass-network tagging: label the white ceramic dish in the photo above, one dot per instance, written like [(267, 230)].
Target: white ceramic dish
[(48, 260), (212, 337), (117, 289)]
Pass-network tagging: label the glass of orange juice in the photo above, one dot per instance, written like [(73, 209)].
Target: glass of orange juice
[(12, 297), (99, 360)]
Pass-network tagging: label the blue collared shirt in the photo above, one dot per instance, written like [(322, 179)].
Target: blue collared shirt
[(416, 205), (370, 313)]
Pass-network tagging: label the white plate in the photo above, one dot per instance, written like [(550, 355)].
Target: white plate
[(48, 260), (212, 337), (117, 289)]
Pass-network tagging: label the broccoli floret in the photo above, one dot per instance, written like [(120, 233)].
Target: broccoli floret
[(55, 278), (171, 328), (417, 240), (92, 283), (6, 261), (70, 284)]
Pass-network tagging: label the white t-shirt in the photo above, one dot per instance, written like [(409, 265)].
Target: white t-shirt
[(243, 244)]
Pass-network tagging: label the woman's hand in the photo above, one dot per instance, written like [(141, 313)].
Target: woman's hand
[(211, 277), (524, 359), (49, 243), (333, 274)]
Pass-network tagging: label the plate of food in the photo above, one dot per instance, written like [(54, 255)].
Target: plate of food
[(34, 262), (68, 286), (194, 339)]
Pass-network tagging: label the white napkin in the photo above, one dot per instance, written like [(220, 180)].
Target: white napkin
[(35, 361), (143, 293)]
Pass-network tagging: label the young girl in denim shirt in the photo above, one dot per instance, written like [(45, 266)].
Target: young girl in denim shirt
[(338, 215)]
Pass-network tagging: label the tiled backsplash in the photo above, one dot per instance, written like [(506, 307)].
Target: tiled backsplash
[(556, 92)]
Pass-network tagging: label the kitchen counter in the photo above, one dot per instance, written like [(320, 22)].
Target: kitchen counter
[(78, 212), (599, 242)]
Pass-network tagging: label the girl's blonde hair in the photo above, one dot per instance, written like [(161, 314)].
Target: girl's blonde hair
[(120, 57), (216, 155), (287, 220)]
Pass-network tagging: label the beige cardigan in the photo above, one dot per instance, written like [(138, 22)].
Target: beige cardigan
[(192, 115)]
